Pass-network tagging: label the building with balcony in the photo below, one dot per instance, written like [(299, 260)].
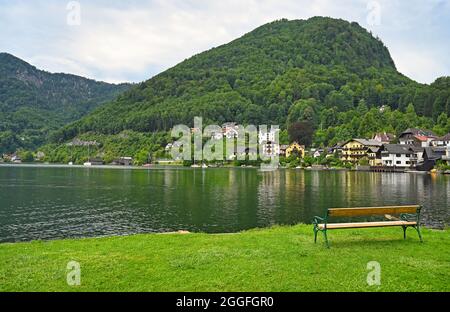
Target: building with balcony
[(374, 156), (355, 149), (441, 141), (417, 137), (269, 143), (399, 156)]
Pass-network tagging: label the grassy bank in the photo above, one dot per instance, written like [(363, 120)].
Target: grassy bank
[(277, 259)]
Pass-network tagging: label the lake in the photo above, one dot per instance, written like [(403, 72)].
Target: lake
[(55, 202)]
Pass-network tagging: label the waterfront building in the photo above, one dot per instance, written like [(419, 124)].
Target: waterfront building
[(384, 137), (398, 156), (417, 137), (441, 141), (355, 149), (295, 148)]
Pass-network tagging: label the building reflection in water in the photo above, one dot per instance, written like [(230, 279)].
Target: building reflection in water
[(37, 202)]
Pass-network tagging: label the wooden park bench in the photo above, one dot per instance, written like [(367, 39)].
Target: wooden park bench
[(409, 216)]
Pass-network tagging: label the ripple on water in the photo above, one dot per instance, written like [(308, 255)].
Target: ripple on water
[(55, 203)]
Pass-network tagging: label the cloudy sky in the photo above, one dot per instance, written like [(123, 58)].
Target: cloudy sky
[(132, 40)]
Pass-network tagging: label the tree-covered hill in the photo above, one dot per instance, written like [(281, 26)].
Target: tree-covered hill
[(320, 70), (35, 102)]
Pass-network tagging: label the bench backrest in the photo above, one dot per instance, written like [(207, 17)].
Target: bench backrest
[(373, 211)]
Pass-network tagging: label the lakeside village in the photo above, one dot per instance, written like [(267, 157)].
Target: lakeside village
[(414, 150)]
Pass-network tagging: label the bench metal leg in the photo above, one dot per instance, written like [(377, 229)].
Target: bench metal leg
[(316, 231), (417, 228), (418, 232), (326, 238)]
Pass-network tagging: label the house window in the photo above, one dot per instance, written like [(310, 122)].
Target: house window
[(399, 155), (399, 162)]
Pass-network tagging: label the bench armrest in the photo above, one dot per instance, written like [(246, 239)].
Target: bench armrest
[(317, 220), (410, 217)]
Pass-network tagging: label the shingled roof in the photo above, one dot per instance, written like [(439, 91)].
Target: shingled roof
[(420, 132), (434, 153), (366, 142), (398, 149)]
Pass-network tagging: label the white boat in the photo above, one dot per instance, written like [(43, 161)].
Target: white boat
[(70, 163), (195, 166), (205, 166), (87, 164)]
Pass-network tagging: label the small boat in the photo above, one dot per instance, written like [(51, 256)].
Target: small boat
[(87, 164), (70, 163), (195, 166), (205, 166)]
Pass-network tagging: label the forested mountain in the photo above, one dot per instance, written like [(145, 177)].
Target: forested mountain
[(35, 102), (328, 72)]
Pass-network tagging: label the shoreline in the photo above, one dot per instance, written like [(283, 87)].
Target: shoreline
[(160, 167), (182, 233)]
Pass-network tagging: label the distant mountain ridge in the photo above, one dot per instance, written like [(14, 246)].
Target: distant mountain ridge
[(260, 76), (34, 102)]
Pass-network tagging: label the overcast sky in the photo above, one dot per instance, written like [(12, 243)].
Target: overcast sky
[(132, 40)]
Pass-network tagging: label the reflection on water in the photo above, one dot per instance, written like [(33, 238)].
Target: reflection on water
[(51, 203)]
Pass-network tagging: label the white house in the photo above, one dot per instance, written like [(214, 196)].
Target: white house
[(270, 149), (418, 153), (217, 136), (173, 145), (399, 155), (318, 153), (16, 159), (447, 154), (442, 141), (169, 146), (231, 133), (384, 137), (268, 136), (417, 137), (267, 141)]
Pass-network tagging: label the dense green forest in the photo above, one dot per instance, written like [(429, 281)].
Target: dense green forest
[(33, 103), (331, 75)]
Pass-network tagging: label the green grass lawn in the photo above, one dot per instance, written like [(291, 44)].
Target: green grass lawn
[(276, 259)]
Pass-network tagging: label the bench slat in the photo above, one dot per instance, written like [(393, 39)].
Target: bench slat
[(367, 211), (357, 225)]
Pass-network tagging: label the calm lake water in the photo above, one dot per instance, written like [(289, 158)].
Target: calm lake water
[(53, 203)]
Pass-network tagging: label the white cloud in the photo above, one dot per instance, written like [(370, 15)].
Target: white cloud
[(134, 40)]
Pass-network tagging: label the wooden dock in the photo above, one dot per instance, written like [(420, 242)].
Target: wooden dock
[(387, 169)]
